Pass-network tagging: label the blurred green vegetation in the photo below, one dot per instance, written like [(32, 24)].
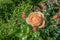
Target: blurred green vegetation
[(13, 27)]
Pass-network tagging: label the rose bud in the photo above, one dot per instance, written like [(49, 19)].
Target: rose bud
[(34, 29), (55, 16), (23, 15)]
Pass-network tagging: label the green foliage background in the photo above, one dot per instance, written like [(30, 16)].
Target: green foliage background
[(13, 27)]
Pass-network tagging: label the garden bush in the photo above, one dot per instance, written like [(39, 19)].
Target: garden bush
[(14, 27)]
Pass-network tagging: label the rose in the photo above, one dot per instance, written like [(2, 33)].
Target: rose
[(36, 19)]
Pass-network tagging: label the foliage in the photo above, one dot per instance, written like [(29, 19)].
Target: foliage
[(13, 27)]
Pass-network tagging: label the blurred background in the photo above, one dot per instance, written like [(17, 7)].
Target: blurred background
[(14, 27)]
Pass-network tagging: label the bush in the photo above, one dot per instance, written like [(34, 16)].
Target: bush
[(14, 27)]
